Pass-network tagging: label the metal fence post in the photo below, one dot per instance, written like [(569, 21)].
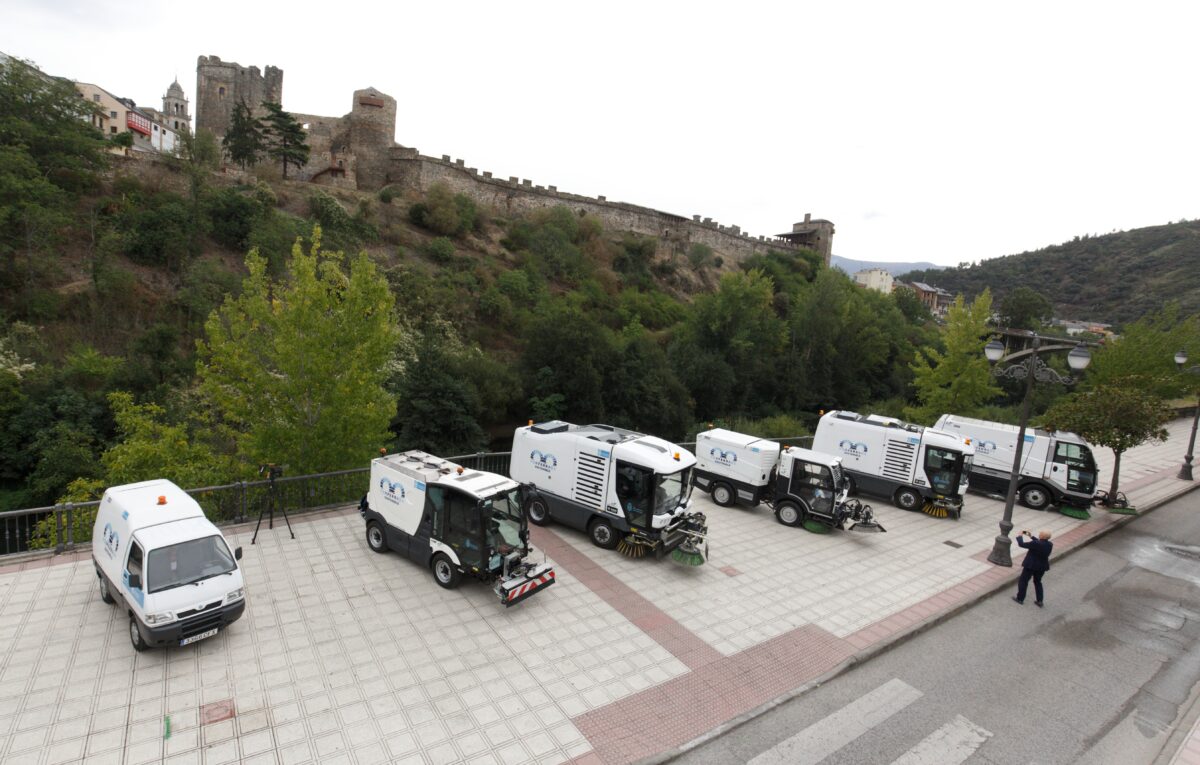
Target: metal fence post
[(70, 526), (58, 528), (242, 510)]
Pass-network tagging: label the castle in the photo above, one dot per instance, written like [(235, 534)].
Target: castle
[(358, 151)]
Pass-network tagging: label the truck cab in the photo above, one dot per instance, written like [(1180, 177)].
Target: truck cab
[(168, 566), (456, 522)]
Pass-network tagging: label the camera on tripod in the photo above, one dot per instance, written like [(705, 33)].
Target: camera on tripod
[(271, 470)]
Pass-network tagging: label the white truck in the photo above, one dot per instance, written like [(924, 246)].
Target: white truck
[(627, 490), (917, 468), (454, 521), (1055, 467), (798, 484), (167, 565)]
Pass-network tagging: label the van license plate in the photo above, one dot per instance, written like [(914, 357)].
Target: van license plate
[(201, 636)]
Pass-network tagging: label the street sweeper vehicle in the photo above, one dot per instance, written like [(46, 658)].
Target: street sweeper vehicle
[(803, 487), (1055, 467), (918, 468), (456, 522), (628, 491), (163, 561)]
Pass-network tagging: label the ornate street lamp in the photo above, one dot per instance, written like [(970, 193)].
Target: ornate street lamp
[(1028, 370), (1185, 472)]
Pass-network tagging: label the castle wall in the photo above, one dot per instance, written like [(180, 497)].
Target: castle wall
[(220, 85), (415, 174)]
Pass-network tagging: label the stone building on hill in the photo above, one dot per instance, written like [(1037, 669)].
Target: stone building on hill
[(358, 151)]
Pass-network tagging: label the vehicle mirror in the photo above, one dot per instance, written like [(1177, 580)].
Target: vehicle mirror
[(135, 581), (237, 554)]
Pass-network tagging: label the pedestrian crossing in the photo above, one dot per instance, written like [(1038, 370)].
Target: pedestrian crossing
[(951, 744)]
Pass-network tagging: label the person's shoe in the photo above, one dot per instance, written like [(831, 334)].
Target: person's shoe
[(1018, 600), (1037, 603)]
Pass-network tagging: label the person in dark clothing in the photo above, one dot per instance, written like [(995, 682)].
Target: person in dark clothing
[(1037, 562)]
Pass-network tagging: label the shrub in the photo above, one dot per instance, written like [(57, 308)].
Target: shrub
[(232, 217), (445, 213), (440, 249), (700, 255)]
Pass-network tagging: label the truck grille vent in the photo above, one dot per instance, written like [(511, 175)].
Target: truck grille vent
[(589, 480), (898, 460)]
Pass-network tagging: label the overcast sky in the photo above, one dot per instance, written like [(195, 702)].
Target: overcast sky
[(946, 132)]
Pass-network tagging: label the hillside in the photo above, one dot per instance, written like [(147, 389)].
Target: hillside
[(1114, 278)]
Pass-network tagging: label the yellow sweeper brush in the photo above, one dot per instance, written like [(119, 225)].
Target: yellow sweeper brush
[(633, 547), (936, 511)]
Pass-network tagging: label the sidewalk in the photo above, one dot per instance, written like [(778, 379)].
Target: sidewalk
[(347, 656)]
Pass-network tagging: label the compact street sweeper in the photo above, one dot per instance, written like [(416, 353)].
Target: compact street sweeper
[(457, 522), (627, 490), (918, 468), (803, 487)]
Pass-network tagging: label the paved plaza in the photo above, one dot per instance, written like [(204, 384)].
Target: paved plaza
[(345, 656)]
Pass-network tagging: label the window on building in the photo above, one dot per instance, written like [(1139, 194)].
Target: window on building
[(96, 97), (113, 129), (113, 115), (221, 92)]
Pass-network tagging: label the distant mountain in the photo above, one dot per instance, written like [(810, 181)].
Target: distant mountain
[(1114, 278), (895, 269)]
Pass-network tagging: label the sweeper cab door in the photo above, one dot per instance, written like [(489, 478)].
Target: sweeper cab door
[(944, 470), (813, 483), (457, 523), (635, 492)]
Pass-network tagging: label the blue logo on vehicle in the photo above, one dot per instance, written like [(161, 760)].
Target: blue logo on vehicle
[(542, 461), (112, 542), (853, 448), (392, 491), (985, 447), (722, 457)]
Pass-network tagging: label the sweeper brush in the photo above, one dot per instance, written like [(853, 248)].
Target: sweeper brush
[(691, 553), (935, 511), (633, 547)]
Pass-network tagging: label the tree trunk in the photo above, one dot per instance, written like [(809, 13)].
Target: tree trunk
[(1112, 488)]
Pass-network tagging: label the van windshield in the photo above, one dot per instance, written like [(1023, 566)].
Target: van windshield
[(187, 562)]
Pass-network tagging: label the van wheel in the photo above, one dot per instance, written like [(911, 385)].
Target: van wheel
[(722, 494), (1035, 497), (907, 499), (603, 534), (135, 636), (376, 539), (789, 514), (538, 511), (445, 572), (105, 595)]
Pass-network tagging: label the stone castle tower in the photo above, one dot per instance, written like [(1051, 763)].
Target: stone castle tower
[(220, 85), (175, 108)]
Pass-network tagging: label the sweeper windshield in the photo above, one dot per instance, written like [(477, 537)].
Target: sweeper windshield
[(671, 491), (502, 514)]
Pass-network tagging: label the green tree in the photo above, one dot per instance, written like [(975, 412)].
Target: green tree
[(641, 391), (285, 138), (439, 408), (1145, 353), (957, 380), (910, 305), (1118, 414), (567, 354), (246, 137), (297, 366), (1025, 308)]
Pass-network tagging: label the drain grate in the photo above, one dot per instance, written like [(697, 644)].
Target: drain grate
[(955, 545)]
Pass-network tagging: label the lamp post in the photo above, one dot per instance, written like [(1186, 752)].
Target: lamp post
[(1185, 472), (1030, 369)]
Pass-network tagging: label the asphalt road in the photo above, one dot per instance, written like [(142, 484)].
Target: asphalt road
[(1100, 675)]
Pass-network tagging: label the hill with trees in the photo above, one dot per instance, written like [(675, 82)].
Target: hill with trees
[(1114, 278)]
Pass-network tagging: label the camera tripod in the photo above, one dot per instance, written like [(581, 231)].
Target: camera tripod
[(272, 472)]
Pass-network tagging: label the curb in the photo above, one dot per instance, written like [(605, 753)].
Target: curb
[(896, 640)]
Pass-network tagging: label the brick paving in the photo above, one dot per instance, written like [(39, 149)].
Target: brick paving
[(345, 656)]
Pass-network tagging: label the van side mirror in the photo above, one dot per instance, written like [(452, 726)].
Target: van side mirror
[(237, 554), (135, 581)]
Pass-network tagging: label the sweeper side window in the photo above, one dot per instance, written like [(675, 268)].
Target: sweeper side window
[(463, 531), (504, 523), (1081, 468), (634, 491), (943, 468), (814, 485)]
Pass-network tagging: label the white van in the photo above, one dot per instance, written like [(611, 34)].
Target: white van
[(166, 563)]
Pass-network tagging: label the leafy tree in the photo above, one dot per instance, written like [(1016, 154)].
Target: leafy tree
[(445, 212), (957, 380), (1145, 353), (567, 355), (700, 255), (297, 366), (246, 137), (1117, 414), (910, 305), (1025, 308), (285, 138), (439, 409), (641, 391), (123, 140)]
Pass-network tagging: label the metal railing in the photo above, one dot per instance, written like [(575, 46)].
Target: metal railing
[(65, 526)]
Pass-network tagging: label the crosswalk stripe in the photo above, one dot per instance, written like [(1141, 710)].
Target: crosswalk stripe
[(824, 737), (950, 744)]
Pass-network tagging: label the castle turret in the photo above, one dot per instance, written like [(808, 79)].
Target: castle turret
[(220, 85), (816, 235)]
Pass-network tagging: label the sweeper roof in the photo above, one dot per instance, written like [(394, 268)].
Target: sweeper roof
[(423, 466), (650, 451)]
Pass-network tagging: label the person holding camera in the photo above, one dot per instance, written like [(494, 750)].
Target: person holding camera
[(1036, 563)]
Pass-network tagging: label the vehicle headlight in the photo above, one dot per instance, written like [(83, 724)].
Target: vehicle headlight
[(160, 618), (237, 594)]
